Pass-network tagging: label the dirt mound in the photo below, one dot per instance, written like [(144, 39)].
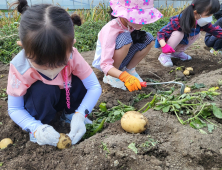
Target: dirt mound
[(166, 144)]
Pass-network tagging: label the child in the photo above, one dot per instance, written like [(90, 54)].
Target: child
[(183, 30), (121, 45), (212, 41), (49, 75)]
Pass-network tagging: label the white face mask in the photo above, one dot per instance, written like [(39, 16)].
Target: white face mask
[(204, 21), (50, 73)]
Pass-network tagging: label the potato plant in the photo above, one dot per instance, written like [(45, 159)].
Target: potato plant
[(199, 106)]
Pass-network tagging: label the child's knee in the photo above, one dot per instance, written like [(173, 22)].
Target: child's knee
[(152, 44), (178, 34)]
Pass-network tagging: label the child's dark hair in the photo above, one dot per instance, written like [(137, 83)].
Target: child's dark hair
[(187, 19), (110, 13), (46, 33), (218, 14)]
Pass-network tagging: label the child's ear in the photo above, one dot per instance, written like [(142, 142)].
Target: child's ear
[(195, 12), (19, 43), (74, 41), (196, 15)]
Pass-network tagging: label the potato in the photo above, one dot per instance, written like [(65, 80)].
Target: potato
[(5, 142), (186, 72), (64, 141), (187, 90), (134, 122), (189, 68)]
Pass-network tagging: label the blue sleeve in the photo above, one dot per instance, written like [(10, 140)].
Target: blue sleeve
[(93, 93), (21, 116)]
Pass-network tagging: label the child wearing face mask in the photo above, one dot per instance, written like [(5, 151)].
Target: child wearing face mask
[(212, 41), (49, 75), (121, 45), (183, 30)]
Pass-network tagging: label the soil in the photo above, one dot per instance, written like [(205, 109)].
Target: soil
[(179, 146)]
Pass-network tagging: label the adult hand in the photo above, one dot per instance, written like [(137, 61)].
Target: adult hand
[(132, 83), (167, 49), (78, 128), (46, 134)]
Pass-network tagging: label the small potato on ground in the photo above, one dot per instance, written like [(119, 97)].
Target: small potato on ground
[(186, 72), (134, 122), (5, 142), (189, 68), (64, 141), (187, 90)]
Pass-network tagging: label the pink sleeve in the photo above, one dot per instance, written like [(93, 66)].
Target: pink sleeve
[(107, 38), (80, 67), (17, 83), (107, 58)]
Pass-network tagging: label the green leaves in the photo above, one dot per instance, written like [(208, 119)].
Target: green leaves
[(113, 114), (140, 97), (217, 112), (92, 129), (210, 127), (197, 124), (196, 105), (102, 107), (86, 35), (8, 46), (166, 109), (133, 147), (198, 86), (202, 131)]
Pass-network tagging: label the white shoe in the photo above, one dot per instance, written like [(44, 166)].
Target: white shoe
[(165, 60), (114, 82), (133, 73)]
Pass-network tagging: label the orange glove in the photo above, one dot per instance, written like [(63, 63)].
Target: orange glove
[(132, 83)]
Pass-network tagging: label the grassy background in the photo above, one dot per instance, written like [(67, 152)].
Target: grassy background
[(86, 35)]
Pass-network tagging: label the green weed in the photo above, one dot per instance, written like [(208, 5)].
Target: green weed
[(104, 146)]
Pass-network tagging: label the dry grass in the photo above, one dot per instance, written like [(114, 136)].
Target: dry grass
[(97, 13), (6, 18), (170, 11)]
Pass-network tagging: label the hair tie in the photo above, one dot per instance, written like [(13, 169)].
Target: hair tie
[(192, 5)]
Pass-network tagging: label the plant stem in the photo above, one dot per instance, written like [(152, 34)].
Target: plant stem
[(178, 101), (143, 106), (150, 104), (180, 120), (195, 115), (210, 122), (192, 104)]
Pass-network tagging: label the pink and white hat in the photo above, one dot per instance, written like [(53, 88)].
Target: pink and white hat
[(135, 11)]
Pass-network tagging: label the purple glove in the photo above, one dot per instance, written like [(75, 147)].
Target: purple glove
[(167, 49)]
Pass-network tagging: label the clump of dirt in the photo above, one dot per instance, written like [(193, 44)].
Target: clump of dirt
[(166, 144)]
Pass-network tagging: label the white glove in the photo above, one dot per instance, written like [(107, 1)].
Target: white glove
[(78, 128), (46, 134)]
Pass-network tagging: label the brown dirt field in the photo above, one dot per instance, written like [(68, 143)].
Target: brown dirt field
[(179, 146)]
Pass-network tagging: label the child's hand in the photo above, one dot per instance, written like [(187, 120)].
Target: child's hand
[(78, 128), (167, 49), (132, 83), (46, 134)]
